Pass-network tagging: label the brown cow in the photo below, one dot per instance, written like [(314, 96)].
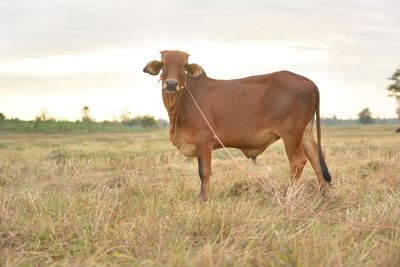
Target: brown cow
[(249, 114)]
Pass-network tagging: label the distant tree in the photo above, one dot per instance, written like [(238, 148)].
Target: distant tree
[(42, 116), (86, 114), (365, 116), (125, 115), (394, 88), (145, 121), (148, 121), (162, 123), (2, 117), (331, 121)]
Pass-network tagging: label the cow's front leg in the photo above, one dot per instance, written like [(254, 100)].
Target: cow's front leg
[(204, 156)]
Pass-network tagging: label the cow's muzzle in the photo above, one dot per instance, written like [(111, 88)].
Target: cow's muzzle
[(171, 85)]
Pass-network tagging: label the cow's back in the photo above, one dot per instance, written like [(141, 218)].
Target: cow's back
[(259, 103)]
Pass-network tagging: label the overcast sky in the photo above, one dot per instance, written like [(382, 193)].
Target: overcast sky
[(60, 55)]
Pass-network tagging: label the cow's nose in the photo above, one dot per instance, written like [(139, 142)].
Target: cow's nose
[(171, 85)]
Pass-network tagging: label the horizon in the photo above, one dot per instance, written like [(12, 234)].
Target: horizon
[(48, 117), (62, 55)]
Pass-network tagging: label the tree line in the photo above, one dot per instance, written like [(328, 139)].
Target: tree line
[(45, 123), (127, 122), (365, 117)]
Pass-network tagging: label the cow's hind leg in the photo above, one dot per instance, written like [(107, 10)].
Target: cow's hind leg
[(312, 152), (296, 156), (204, 156)]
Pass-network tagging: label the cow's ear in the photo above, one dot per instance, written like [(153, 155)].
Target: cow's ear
[(153, 67), (194, 70)]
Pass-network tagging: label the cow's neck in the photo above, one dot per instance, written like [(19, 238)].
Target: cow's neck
[(173, 114)]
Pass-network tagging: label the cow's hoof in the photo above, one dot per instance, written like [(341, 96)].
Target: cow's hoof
[(203, 198), (325, 191)]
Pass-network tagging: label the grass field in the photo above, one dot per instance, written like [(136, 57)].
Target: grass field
[(132, 199)]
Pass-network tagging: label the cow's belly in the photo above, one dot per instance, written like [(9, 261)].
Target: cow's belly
[(188, 150), (184, 143), (251, 143), (254, 144)]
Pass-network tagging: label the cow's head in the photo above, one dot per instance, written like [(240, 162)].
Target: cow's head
[(174, 65)]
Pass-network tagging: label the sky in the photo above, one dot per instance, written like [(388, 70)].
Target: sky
[(59, 55)]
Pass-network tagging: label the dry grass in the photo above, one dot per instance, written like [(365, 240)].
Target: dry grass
[(131, 199)]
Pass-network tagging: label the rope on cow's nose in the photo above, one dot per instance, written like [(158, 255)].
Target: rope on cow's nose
[(285, 199)]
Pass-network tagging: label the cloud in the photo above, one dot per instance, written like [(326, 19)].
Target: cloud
[(54, 27), (112, 60), (83, 45)]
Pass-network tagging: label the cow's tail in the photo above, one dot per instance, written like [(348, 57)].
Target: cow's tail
[(324, 167)]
